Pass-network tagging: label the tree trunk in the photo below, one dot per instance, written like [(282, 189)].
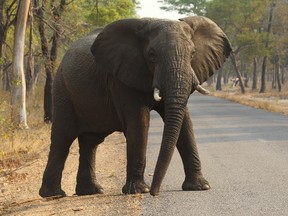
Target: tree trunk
[(30, 62), (57, 12), (277, 72), (264, 65), (2, 39), (6, 79), (263, 76), (273, 83), (219, 78), (210, 80), (18, 100), (232, 57), (283, 74), (255, 72), (226, 78), (246, 80), (47, 65), (49, 60)]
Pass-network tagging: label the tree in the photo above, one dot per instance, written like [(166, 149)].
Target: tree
[(49, 58), (189, 7), (106, 11), (219, 78), (18, 100), (30, 59), (7, 19), (264, 64)]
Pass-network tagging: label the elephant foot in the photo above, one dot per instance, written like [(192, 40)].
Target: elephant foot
[(51, 192), (89, 189), (135, 187), (198, 183)]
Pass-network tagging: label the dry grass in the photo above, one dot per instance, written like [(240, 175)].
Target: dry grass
[(273, 100), (19, 146)]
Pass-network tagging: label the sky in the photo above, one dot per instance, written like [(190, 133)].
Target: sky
[(151, 8)]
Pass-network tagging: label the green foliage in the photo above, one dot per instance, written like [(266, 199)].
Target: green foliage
[(188, 7), (93, 15)]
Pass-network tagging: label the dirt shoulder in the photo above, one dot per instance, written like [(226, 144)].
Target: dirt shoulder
[(19, 185)]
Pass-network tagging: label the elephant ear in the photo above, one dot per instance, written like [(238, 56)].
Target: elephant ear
[(212, 46), (118, 51)]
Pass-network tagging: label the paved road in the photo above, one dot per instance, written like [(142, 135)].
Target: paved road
[(244, 154)]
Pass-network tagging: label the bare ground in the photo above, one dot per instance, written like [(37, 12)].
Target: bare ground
[(20, 182)]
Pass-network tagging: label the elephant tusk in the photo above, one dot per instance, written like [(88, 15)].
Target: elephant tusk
[(202, 90), (156, 94)]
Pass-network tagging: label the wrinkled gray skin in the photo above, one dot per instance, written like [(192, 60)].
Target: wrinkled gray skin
[(106, 84)]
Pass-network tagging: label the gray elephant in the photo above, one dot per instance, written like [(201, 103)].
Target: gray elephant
[(110, 81)]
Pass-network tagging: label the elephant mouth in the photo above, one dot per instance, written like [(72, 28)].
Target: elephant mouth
[(197, 87)]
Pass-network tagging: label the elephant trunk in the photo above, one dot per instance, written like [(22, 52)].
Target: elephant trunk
[(174, 113)]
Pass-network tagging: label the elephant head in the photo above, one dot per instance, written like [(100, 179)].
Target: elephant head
[(170, 57)]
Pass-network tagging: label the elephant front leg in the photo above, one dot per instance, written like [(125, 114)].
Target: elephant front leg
[(187, 148), (136, 135), (86, 178)]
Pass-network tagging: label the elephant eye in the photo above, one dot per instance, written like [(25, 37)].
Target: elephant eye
[(152, 55), (192, 54)]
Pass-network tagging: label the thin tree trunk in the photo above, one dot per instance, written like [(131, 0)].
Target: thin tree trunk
[(18, 99), (232, 57), (219, 78), (277, 72), (226, 78), (263, 76), (264, 65), (283, 74), (2, 39), (51, 60), (57, 12), (47, 65), (255, 72), (210, 80), (30, 63), (246, 80), (6, 80), (273, 83)]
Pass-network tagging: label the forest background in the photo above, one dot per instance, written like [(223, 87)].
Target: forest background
[(257, 30)]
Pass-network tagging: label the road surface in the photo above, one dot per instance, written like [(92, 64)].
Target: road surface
[(244, 154)]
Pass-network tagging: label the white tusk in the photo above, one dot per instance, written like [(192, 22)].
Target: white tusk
[(202, 90), (156, 94)]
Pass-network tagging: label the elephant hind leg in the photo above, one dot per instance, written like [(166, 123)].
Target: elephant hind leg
[(64, 132), (61, 139), (86, 178)]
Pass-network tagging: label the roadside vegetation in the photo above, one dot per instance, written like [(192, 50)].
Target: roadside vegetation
[(272, 100)]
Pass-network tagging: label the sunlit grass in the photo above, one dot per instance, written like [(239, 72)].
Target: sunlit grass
[(272, 100), (15, 141)]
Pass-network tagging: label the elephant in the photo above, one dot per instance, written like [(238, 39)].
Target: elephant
[(112, 78)]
